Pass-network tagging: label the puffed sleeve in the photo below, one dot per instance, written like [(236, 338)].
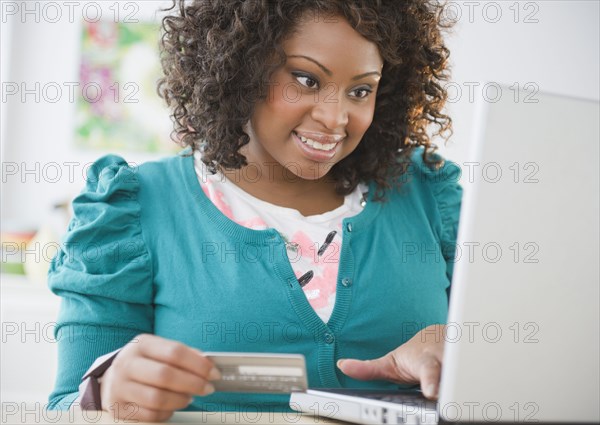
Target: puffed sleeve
[(447, 192), (103, 272)]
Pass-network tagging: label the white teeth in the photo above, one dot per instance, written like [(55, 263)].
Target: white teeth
[(317, 145)]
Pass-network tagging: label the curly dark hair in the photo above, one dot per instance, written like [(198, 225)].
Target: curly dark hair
[(215, 55)]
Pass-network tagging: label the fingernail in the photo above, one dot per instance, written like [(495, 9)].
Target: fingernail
[(339, 363), (191, 400), (214, 374), (209, 389), (431, 391)]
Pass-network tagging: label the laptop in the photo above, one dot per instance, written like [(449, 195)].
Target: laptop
[(523, 328)]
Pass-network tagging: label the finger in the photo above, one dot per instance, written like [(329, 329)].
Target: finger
[(178, 355), (151, 397), (134, 413), (366, 370), (430, 373), (163, 375)]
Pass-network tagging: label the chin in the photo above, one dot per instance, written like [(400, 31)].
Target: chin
[(314, 171)]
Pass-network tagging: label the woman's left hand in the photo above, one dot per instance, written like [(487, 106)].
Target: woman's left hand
[(418, 360)]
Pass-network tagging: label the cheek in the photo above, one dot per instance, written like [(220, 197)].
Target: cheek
[(360, 121), (273, 120), (285, 105)]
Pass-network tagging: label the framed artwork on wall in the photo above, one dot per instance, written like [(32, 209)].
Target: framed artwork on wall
[(118, 107)]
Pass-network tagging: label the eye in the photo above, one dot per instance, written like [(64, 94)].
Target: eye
[(362, 92), (306, 80)]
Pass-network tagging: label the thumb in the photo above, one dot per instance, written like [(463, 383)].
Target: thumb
[(366, 370)]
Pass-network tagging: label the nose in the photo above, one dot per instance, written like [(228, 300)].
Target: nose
[(331, 112)]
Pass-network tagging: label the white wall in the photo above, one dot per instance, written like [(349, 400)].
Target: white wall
[(560, 53)]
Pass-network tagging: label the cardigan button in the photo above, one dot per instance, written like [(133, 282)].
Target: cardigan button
[(349, 227), (347, 282), (329, 338)]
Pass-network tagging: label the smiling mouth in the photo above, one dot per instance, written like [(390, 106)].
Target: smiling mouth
[(325, 147)]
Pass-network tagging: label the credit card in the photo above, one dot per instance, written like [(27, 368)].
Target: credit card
[(259, 372)]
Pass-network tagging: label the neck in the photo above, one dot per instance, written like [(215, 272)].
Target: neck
[(279, 186)]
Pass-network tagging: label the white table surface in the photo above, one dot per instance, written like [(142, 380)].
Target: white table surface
[(34, 413)]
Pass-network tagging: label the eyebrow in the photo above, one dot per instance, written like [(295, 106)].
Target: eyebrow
[(329, 73)]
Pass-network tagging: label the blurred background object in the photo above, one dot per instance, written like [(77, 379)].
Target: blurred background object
[(15, 240)]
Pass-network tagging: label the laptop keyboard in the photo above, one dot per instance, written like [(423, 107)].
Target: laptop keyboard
[(392, 396)]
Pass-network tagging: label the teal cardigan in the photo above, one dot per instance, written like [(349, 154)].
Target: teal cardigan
[(148, 252)]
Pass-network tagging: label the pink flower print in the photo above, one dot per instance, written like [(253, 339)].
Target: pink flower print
[(325, 268), (325, 282), (306, 246), (217, 198), (331, 254), (255, 223), (310, 249), (205, 190)]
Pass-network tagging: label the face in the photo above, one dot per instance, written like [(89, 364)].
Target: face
[(320, 103)]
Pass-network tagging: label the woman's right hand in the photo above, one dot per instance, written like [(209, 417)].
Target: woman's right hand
[(152, 377)]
